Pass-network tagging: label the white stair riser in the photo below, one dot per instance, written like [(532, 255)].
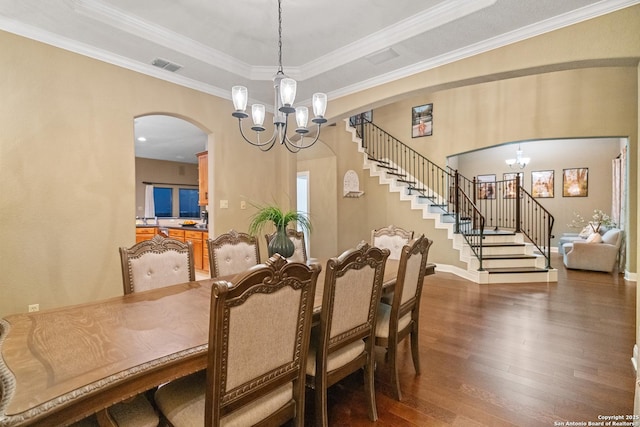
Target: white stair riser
[(549, 276), (501, 250), (505, 263)]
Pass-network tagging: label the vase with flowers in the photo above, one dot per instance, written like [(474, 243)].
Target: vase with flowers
[(598, 219), (271, 214)]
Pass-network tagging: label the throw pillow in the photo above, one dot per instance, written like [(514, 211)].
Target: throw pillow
[(594, 238)]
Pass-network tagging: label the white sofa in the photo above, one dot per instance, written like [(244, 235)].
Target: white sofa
[(600, 256), (578, 237)]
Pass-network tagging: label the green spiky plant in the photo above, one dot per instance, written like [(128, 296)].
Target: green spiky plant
[(272, 214)]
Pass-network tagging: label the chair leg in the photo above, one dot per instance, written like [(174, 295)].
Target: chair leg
[(322, 418), (369, 388), (393, 364), (415, 353)]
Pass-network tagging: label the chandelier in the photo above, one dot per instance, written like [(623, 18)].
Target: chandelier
[(285, 93), (519, 161)]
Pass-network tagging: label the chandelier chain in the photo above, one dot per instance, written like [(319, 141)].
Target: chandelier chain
[(280, 37)]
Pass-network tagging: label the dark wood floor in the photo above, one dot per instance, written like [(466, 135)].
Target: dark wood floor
[(508, 355)]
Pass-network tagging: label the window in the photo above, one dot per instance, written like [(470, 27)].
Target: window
[(163, 201), (188, 198)]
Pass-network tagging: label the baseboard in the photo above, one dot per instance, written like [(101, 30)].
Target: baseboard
[(630, 277)]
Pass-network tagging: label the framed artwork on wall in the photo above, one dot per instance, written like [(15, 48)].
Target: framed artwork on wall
[(542, 184), (509, 179), (422, 121), (575, 182), (486, 186)]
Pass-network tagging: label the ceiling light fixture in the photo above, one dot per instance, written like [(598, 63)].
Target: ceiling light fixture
[(519, 161), (285, 92)]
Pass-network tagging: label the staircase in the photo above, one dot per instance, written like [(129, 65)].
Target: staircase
[(496, 255)]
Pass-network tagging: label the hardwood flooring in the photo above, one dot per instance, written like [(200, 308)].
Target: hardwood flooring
[(508, 355)]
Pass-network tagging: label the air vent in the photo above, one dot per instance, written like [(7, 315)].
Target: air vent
[(166, 65)]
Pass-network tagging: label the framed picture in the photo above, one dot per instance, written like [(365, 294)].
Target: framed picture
[(510, 184), (422, 121), (486, 186), (575, 182), (542, 184)]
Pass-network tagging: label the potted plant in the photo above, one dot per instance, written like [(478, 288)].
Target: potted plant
[(280, 243)]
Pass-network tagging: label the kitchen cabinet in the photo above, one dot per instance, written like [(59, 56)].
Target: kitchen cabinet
[(176, 234), (145, 233), (203, 178), (198, 240), (205, 251), (195, 237)]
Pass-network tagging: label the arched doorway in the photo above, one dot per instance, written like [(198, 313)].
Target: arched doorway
[(166, 149)]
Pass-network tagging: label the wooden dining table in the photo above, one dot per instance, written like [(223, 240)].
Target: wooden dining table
[(61, 365)]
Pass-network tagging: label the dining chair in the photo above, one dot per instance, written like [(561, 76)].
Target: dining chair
[(232, 252), (258, 343), (300, 247), (401, 319), (155, 263), (149, 264), (392, 238), (343, 342)]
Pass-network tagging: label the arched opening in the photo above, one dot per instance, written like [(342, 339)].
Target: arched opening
[(171, 176), (166, 150)]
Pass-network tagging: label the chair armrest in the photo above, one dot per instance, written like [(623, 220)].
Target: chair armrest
[(591, 256)]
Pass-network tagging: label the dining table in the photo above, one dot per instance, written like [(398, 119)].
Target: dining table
[(60, 365)]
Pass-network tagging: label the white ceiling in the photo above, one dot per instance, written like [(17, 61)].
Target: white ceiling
[(333, 46)]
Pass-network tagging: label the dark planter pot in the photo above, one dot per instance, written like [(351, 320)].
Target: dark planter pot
[(281, 244)]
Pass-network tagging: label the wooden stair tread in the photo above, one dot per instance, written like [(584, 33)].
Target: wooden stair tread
[(507, 270), (509, 256), (500, 244)]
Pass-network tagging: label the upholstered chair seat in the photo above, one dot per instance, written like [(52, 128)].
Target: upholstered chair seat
[(337, 359), (232, 253), (136, 411), (384, 320), (182, 401)]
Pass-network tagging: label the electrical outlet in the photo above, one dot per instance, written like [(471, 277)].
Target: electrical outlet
[(34, 307), (243, 204), (224, 204)]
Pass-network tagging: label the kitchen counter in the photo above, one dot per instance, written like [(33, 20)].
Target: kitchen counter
[(176, 226)]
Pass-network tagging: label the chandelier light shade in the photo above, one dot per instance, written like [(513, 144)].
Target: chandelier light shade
[(285, 94), (519, 162)]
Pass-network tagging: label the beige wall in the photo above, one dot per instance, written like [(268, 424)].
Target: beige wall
[(323, 192), (68, 173)]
